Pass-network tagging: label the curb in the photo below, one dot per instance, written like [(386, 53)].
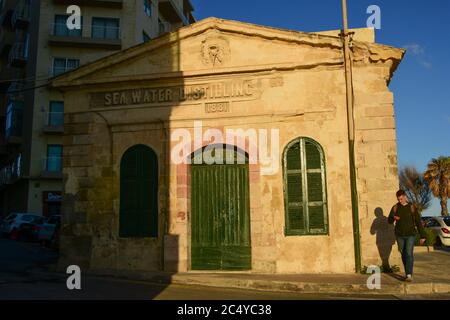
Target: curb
[(307, 287), (219, 281)]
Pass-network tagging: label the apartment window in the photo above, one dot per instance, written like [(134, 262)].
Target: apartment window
[(60, 27), (61, 65), (148, 7), (105, 28), (305, 188), (14, 114), (145, 36), (56, 113), (54, 158)]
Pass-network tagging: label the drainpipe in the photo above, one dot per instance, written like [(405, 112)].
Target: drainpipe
[(165, 154), (346, 38)]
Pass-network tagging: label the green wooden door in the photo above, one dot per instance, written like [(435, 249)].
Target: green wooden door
[(220, 217)]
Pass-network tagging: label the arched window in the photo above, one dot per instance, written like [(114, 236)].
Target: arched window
[(138, 193), (305, 188)]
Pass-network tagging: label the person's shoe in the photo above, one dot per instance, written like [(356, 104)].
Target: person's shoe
[(408, 278)]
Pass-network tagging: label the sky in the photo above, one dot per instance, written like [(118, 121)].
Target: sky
[(421, 84)]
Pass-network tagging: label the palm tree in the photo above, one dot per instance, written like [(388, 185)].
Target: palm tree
[(416, 187), (438, 177)]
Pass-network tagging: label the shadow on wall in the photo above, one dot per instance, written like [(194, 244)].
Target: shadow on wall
[(116, 214), (385, 237)]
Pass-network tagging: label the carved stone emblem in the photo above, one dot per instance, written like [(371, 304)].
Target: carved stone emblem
[(215, 51)]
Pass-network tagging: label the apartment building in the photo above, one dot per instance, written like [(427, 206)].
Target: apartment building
[(36, 45)]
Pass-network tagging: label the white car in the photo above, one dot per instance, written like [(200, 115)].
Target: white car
[(14, 221), (46, 230), (441, 228)]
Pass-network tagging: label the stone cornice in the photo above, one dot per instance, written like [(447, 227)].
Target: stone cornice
[(366, 53)]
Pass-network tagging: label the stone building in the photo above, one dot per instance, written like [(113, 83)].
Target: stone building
[(130, 204), (35, 45)]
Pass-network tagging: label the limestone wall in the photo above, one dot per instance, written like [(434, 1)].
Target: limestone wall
[(290, 82)]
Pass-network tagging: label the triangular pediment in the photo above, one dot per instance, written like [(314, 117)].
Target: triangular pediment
[(214, 46)]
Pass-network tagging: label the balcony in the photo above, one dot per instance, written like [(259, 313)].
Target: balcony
[(5, 18), (51, 168), (18, 55), (21, 16), (14, 123), (12, 172), (6, 41), (93, 3), (61, 36), (54, 123), (164, 27), (15, 92), (191, 18), (188, 8), (171, 12), (6, 74)]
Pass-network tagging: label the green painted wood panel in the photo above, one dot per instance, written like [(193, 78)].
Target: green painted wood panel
[(304, 188), (138, 193), (220, 217)]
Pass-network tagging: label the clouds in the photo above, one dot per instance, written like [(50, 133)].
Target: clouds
[(419, 53)]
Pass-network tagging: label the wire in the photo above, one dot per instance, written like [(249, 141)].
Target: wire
[(42, 78), (26, 89)]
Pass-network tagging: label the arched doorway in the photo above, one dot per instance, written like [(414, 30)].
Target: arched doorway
[(220, 206), (138, 193)]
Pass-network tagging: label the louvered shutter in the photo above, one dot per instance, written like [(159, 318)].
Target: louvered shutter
[(305, 195), (295, 220)]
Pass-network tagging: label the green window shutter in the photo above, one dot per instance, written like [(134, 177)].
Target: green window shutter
[(295, 220), (305, 194), (138, 193), (313, 156)]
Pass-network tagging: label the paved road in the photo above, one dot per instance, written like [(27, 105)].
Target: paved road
[(23, 276)]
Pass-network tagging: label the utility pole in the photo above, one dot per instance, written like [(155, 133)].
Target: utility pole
[(346, 38)]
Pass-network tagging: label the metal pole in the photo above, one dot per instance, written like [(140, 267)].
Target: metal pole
[(351, 136)]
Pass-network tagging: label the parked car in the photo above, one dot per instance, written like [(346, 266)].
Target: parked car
[(425, 220), (27, 231), (45, 232), (16, 223), (441, 228)]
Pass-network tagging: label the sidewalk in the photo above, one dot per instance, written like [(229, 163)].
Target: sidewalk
[(431, 277)]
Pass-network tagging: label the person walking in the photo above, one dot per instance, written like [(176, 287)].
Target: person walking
[(407, 220)]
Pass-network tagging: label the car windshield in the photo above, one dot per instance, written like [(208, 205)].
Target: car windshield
[(29, 217), (447, 221)]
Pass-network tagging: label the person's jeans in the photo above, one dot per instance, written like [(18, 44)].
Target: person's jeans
[(406, 247)]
